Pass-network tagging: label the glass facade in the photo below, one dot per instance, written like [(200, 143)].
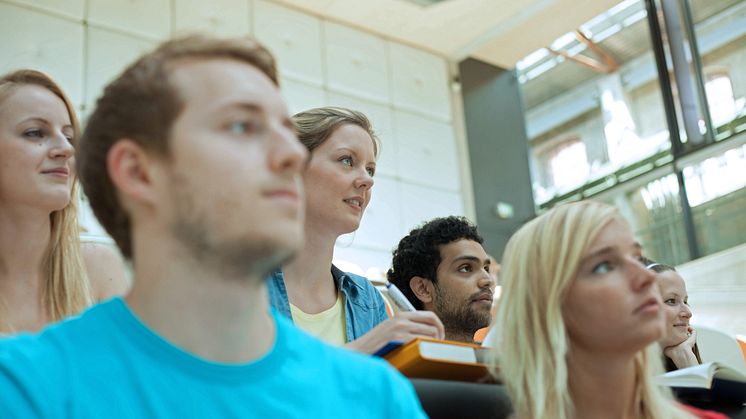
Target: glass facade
[(657, 218), (716, 188), (597, 121), (593, 102), (720, 29)]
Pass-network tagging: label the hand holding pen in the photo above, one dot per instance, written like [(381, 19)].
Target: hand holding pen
[(402, 327), (399, 298)]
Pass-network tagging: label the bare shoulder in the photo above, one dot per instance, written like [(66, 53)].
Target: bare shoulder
[(105, 269)]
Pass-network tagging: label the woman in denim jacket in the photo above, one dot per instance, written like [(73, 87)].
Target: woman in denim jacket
[(338, 307)]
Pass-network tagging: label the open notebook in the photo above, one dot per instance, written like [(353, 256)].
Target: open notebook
[(711, 381)]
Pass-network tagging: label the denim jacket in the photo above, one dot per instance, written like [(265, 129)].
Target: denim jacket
[(364, 306)]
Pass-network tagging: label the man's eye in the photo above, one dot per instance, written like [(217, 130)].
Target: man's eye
[(371, 171), (464, 268), (243, 127), (239, 127), (602, 268)]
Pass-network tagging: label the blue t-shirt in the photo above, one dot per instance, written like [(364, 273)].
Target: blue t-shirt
[(106, 363)]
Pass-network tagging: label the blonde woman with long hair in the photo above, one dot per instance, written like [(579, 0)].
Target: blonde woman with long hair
[(44, 273), (579, 320)]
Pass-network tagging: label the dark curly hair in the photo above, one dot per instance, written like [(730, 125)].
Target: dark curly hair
[(418, 253)]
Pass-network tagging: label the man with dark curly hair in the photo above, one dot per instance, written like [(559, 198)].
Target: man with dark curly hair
[(441, 266)]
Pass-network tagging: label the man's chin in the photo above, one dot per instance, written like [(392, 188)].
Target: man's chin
[(478, 319), (278, 251), (481, 308)]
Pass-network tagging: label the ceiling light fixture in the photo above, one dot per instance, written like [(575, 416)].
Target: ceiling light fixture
[(425, 3)]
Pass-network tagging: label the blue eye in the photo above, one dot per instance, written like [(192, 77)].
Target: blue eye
[(346, 160), (238, 127), (602, 268), (247, 127), (371, 171), (670, 301)]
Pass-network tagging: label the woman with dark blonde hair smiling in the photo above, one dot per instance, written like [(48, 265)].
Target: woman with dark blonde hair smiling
[(43, 275), (338, 307), (579, 320)]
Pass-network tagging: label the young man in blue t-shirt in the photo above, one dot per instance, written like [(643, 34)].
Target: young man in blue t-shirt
[(191, 163)]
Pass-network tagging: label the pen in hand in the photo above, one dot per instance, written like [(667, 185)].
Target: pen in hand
[(399, 298)]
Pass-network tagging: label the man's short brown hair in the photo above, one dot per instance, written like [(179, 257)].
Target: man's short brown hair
[(142, 105)]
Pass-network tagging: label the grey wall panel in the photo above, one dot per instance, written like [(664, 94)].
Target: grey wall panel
[(498, 150)]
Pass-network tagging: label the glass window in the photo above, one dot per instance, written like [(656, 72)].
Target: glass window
[(720, 97), (720, 28), (599, 87), (654, 212), (716, 188), (569, 164)]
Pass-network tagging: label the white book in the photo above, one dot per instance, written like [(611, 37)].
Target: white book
[(702, 376)]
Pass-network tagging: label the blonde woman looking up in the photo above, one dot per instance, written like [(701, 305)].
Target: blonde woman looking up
[(43, 275), (338, 307), (579, 319)]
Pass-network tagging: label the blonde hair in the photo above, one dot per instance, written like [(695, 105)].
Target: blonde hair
[(315, 126), (539, 264), (66, 290)]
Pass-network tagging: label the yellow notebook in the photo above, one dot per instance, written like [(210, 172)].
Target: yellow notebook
[(440, 359)]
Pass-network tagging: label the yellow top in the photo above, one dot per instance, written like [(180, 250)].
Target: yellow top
[(328, 325)]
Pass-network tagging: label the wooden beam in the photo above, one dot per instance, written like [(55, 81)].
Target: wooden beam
[(608, 64)]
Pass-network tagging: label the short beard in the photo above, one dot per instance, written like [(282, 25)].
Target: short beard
[(457, 316), (240, 258)]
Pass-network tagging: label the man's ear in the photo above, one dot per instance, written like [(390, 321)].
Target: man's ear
[(423, 289), (130, 170)]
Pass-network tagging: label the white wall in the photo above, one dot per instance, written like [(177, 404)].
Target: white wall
[(717, 290), (83, 44)]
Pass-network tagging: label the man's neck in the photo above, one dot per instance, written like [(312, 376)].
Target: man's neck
[(197, 308), (589, 371)]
